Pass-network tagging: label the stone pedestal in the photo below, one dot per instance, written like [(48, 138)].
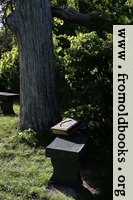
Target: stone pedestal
[(65, 153), (7, 106), (7, 102)]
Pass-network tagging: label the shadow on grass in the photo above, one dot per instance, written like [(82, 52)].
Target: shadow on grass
[(76, 193), (9, 115), (36, 139)]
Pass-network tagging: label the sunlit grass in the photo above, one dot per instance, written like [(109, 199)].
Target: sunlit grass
[(25, 171), (24, 168)]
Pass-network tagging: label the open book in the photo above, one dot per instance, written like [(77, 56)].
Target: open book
[(66, 127)]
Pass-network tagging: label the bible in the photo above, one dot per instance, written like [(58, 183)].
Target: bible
[(66, 127)]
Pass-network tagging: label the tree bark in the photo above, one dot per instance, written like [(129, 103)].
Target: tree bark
[(32, 24), (72, 16)]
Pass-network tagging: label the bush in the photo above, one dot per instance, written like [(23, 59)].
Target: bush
[(84, 81), (62, 87), (9, 71), (88, 66)]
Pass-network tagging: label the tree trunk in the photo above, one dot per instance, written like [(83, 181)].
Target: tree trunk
[(32, 24)]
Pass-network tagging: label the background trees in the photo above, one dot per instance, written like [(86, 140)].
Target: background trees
[(9, 70), (83, 69), (82, 53), (5, 40)]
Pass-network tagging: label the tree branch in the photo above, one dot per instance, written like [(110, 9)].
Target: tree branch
[(71, 15)]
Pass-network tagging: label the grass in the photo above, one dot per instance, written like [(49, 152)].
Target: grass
[(24, 169)]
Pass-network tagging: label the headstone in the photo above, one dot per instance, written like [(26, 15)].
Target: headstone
[(65, 153)]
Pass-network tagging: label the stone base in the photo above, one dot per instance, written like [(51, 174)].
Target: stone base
[(7, 106), (65, 153), (66, 173)]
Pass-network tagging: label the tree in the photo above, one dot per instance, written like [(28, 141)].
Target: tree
[(31, 22)]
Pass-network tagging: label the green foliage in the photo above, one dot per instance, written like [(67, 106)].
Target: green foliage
[(9, 71), (116, 11), (84, 69), (63, 91), (5, 41), (83, 66)]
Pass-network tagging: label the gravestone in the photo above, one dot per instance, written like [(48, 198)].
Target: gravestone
[(65, 153)]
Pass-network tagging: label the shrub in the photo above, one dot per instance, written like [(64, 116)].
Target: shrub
[(88, 66), (9, 71)]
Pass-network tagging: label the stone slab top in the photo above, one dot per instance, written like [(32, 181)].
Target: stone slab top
[(5, 95)]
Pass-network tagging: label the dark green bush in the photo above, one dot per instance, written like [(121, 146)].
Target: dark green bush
[(9, 71), (88, 70)]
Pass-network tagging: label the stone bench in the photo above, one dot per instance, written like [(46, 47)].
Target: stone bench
[(7, 100), (65, 153)]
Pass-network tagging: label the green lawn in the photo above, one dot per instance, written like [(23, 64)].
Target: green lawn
[(24, 169)]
